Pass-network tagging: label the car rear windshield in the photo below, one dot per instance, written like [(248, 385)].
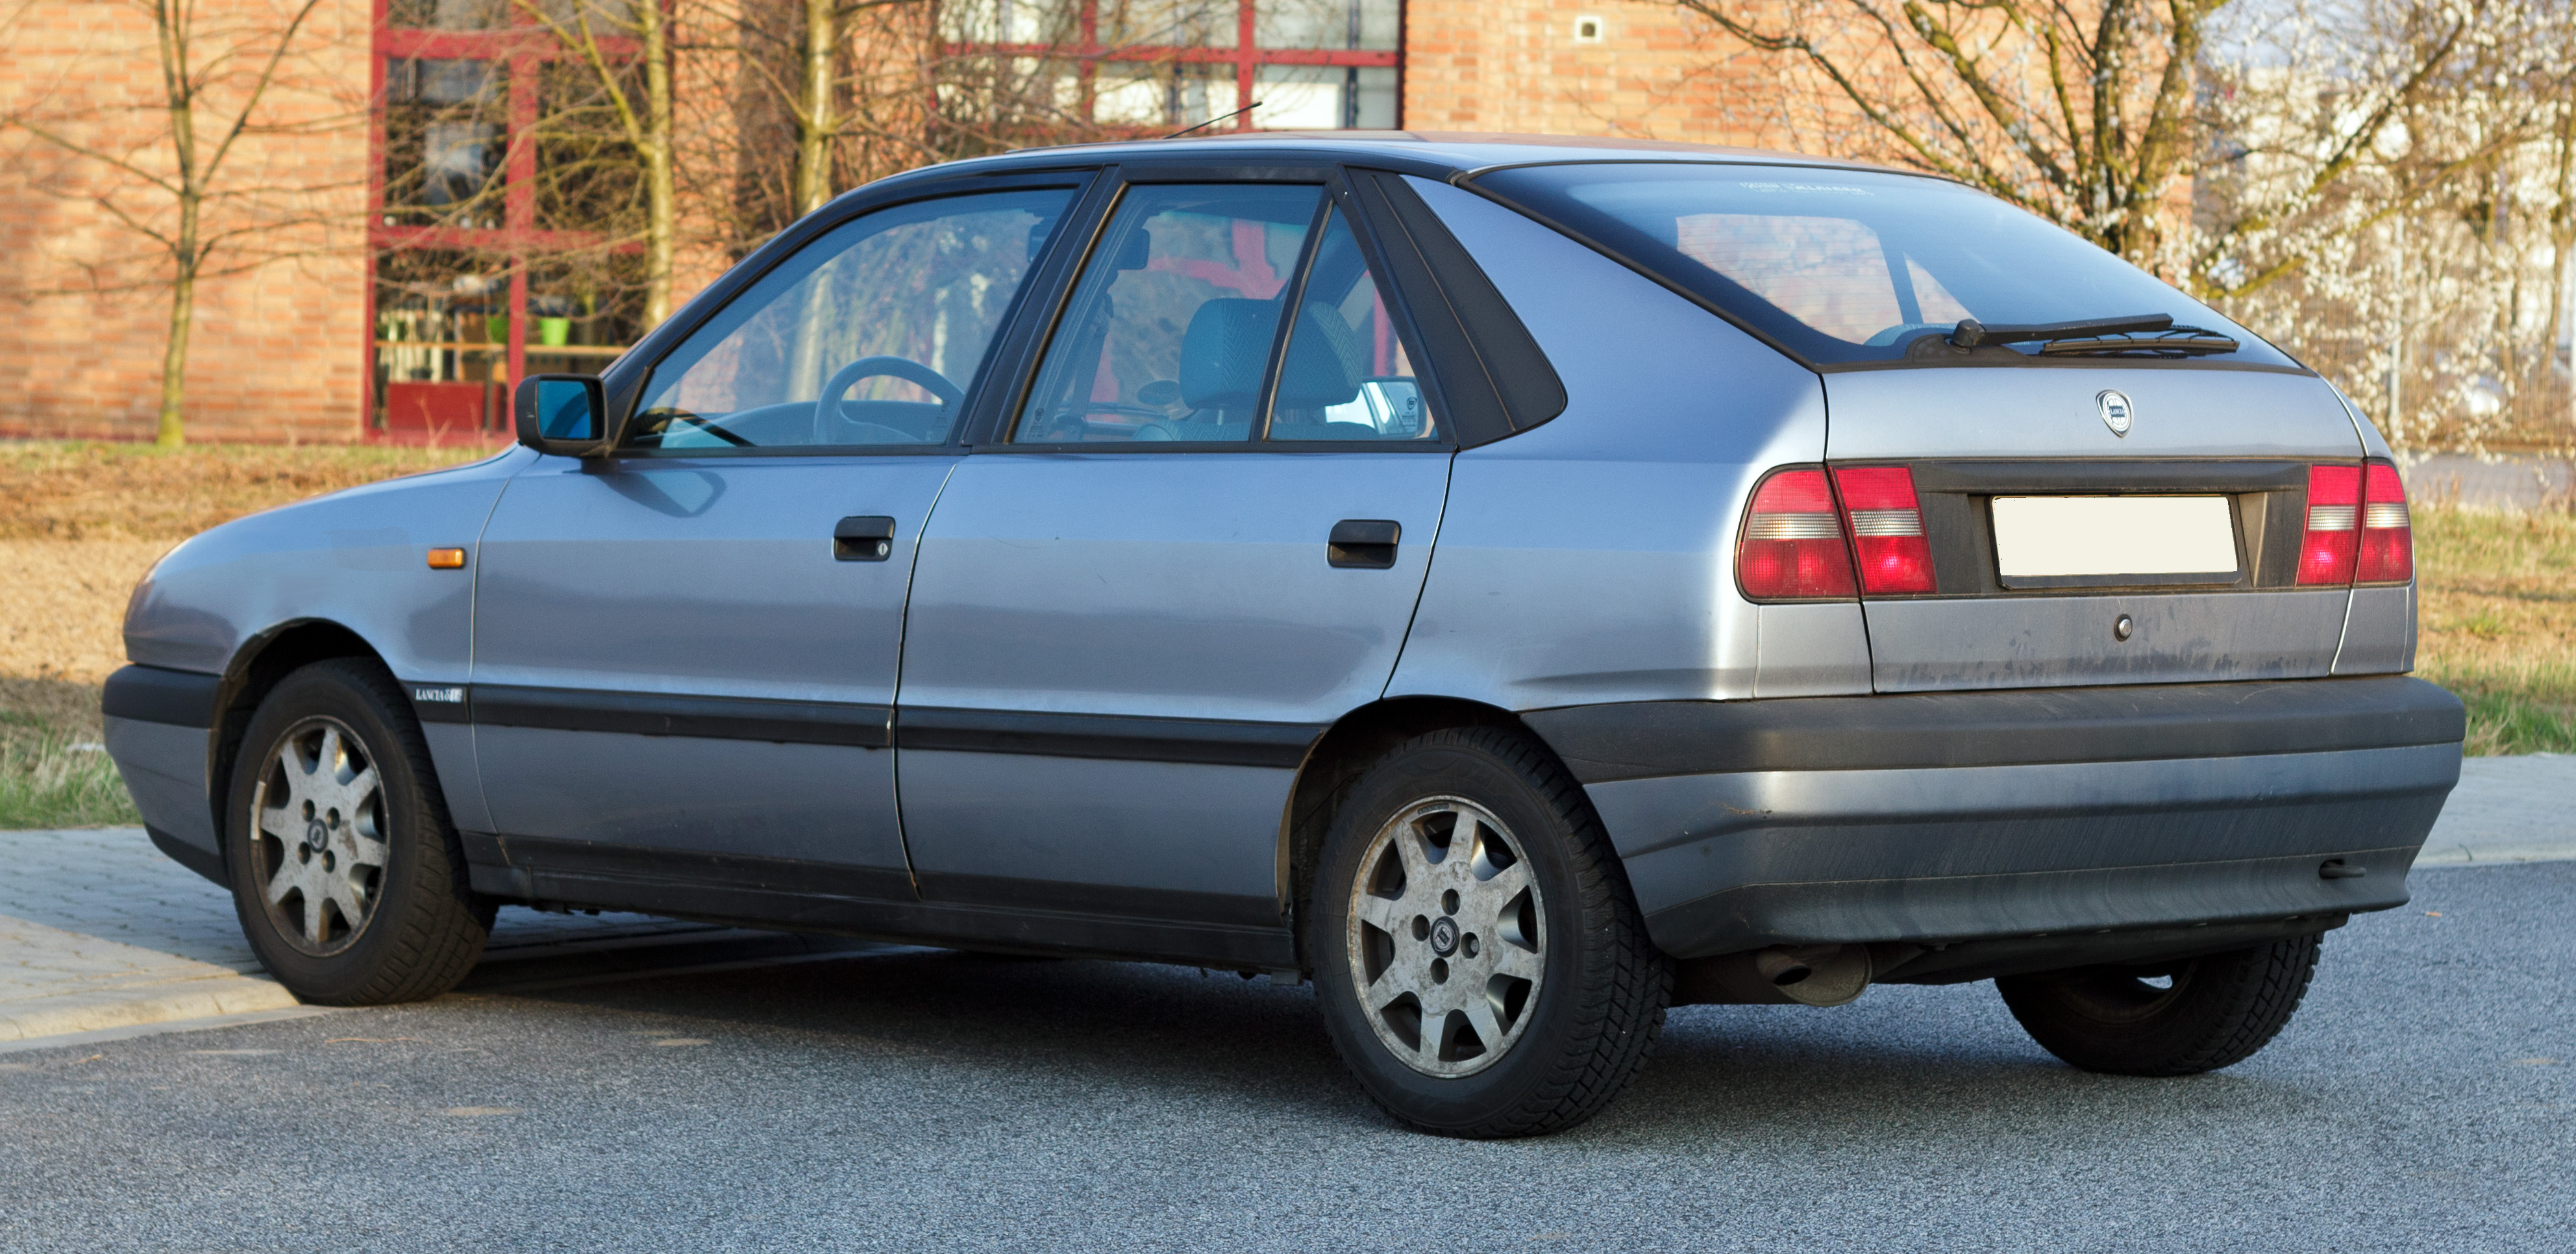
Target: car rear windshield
[(1845, 266)]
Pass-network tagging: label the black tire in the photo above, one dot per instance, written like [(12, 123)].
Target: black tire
[(2217, 1011), (1580, 1031), (418, 927)]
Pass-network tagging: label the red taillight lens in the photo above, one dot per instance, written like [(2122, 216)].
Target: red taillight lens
[(2334, 525), (1886, 528), (1792, 547), (2387, 537)]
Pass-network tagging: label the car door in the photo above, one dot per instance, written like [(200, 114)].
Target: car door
[(689, 647), (1198, 544)]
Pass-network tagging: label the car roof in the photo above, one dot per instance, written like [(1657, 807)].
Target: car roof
[(1449, 152)]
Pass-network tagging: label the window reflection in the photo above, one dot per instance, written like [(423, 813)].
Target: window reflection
[(443, 142), (1346, 375), (1170, 330)]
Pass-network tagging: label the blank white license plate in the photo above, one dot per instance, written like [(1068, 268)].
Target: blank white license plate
[(2045, 537)]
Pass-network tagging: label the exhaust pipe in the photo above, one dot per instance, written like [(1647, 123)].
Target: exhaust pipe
[(1776, 965), (1805, 975)]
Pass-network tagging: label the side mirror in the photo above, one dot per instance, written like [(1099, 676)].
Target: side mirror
[(563, 414)]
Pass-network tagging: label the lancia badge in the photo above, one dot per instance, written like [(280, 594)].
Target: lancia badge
[(2115, 412)]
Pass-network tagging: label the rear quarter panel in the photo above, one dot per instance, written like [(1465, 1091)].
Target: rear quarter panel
[(1591, 558)]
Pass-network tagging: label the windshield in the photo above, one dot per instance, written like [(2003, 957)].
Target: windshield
[(1843, 266)]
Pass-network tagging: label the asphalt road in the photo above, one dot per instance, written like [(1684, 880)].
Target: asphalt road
[(917, 1100)]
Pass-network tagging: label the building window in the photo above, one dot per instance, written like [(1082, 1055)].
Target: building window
[(1161, 65), (496, 197), (486, 264), (1587, 30)]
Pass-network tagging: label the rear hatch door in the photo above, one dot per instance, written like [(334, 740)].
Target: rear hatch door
[(2066, 552)]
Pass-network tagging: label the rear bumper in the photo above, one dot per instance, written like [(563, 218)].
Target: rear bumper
[(1937, 818)]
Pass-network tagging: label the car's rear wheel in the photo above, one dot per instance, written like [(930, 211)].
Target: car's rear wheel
[(2167, 1019), (346, 873), (1481, 964)]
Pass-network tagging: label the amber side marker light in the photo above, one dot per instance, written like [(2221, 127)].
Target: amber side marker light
[(447, 559)]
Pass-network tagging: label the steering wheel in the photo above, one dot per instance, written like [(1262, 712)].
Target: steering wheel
[(828, 405)]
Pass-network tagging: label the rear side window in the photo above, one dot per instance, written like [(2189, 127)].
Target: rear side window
[(1842, 266), (1346, 375), (1170, 331)]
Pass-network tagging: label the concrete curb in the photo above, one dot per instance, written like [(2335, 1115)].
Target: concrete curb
[(2507, 810), (130, 1031), (2493, 855), (55, 983), (127, 1007)]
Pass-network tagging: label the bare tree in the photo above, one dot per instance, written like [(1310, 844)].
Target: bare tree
[(179, 187), (2082, 113), (2098, 114), (635, 89)]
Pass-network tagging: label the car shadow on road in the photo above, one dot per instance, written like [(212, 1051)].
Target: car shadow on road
[(1903, 1066)]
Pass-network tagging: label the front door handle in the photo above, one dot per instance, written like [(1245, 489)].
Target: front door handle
[(863, 538), (1363, 543)]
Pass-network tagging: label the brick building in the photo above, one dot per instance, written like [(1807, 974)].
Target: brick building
[(406, 258)]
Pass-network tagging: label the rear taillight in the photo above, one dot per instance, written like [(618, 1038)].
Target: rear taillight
[(2334, 525), (1886, 529), (2387, 538), (1792, 547)]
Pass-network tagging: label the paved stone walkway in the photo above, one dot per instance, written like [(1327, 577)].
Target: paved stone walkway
[(2517, 809), (109, 882), (98, 930), (54, 982), (2511, 482)]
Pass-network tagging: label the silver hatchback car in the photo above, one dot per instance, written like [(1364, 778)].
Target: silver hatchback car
[(1516, 584)]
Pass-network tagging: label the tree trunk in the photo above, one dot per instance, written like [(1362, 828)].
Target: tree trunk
[(816, 125), (662, 223), (185, 256), (183, 310), (2562, 242)]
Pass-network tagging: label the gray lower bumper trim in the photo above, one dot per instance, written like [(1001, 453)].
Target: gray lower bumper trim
[(154, 694), (2136, 722), (1736, 861)]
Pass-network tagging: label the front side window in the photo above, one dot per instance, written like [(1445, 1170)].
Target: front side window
[(1168, 335), (1851, 265), (869, 335)]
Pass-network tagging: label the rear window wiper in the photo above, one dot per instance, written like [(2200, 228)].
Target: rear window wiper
[(2171, 342), (2137, 333)]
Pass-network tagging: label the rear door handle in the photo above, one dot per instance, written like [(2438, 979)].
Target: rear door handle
[(863, 538), (1363, 543)]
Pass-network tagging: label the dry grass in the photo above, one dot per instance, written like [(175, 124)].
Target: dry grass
[(62, 604), (79, 525), (2499, 622), (54, 772), (69, 491)]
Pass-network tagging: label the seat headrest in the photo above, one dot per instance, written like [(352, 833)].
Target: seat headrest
[(1326, 362), (1228, 342), (1223, 351)]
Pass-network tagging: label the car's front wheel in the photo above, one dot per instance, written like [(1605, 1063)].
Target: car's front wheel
[(1481, 964), (345, 870), (2168, 1019)]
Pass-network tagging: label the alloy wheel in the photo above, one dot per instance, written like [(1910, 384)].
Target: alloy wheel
[(1446, 948), (318, 836)]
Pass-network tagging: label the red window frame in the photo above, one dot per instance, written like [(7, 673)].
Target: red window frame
[(1246, 55), (524, 47)]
